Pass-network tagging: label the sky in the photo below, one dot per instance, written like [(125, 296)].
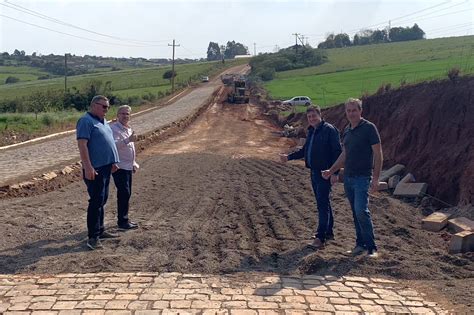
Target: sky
[(145, 28)]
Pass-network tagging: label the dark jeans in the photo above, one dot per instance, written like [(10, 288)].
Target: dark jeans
[(98, 190), (123, 182), (322, 188), (357, 191)]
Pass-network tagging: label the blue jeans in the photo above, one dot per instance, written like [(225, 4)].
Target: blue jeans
[(322, 188), (357, 191), (123, 182), (98, 190)]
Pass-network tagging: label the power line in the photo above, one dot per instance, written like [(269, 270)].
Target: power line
[(51, 19), (76, 36)]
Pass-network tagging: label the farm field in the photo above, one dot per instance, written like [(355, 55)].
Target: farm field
[(355, 71), (120, 80)]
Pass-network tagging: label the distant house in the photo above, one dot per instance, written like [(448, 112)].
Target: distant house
[(242, 56)]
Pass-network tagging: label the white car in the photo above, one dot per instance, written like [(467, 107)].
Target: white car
[(298, 100), (205, 79)]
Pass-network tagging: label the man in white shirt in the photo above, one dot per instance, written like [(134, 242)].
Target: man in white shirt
[(124, 138)]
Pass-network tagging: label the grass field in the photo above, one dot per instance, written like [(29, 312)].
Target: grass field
[(133, 81), (22, 73), (354, 71)]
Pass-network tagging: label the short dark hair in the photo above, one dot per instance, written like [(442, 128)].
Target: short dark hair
[(314, 108), (97, 98)]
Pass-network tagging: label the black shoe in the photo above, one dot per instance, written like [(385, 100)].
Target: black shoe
[(330, 237), (94, 243), (106, 234), (128, 226)]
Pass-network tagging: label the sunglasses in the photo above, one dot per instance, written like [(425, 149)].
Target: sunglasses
[(104, 106)]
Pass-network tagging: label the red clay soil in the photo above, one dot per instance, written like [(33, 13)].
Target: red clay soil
[(429, 128)]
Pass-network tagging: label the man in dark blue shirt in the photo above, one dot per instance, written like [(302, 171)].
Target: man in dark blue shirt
[(362, 152), (321, 149), (98, 156)]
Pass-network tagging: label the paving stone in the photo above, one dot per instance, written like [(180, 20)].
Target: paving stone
[(147, 312), (322, 307), (41, 306), (262, 305), (334, 300), (327, 294), (396, 309), (118, 312), (70, 312), (460, 224), (19, 307), (44, 313), (361, 301), (436, 221), (91, 304), (64, 305), (161, 304), (181, 304), (387, 302), (101, 296), (386, 174), (42, 292), (126, 297), (117, 305), (71, 297), (420, 310), (205, 304), (294, 306), (393, 181), (220, 297), (242, 312), (174, 296), (234, 304), (350, 308), (46, 298), (349, 295), (410, 189), (462, 242), (372, 308), (294, 299), (138, 305)]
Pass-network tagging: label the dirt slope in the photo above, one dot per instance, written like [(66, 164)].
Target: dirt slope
[(428, 127)]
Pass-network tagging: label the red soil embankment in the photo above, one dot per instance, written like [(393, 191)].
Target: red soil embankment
[(428, 127)]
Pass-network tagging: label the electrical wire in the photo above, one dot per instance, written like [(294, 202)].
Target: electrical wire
[(51, 19)]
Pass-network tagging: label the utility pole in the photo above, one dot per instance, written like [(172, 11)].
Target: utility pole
[(254, 49), (65, 73), (296, 41), (172, 67), (388, 31)]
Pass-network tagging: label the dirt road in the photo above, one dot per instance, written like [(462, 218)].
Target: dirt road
[(214, 200)]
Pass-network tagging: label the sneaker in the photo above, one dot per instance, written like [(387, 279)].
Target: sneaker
[(356, 251), (373, 253), (106, 234), (128, 226), (317, 244), (94, 243)]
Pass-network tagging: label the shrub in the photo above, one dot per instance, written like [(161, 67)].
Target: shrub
[(11, 80), (453, 74)]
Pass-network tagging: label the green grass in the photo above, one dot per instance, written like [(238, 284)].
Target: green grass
[(123, 80), (30, 123), (354, 71), (23, 73)]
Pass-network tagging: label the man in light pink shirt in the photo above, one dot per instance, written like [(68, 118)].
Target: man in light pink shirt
[(124, 138)]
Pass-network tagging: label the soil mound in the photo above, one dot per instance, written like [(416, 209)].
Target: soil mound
[(429, 128)]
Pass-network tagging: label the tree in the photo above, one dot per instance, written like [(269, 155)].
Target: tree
[(233, 49), (342, 40), (10, 80), (169, 74), (213, 52)]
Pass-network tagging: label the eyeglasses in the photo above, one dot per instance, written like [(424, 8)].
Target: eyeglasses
[(104, 106)]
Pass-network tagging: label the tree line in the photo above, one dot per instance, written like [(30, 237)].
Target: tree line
[(229, 51), (368, 37), (265, 65)]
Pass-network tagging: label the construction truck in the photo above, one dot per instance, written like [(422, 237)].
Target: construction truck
[(240, 92), (227, 78)]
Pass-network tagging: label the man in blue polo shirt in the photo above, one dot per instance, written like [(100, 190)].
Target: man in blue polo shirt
[(361, 154), (98, 155)]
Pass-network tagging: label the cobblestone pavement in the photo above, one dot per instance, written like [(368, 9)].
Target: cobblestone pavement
[(33, 158), (175, 293)]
